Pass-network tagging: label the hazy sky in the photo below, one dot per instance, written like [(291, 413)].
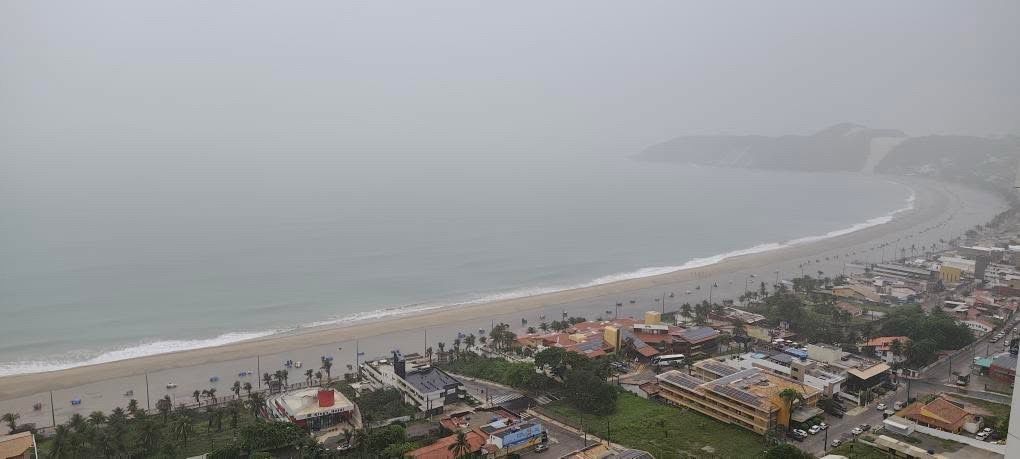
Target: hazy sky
[(169, 80)]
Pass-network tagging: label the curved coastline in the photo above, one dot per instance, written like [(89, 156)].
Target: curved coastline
[(932, 205), (166, 346)]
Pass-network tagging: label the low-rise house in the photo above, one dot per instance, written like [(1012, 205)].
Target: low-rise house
[(490, 433), (940, 413), (857, 292), (18, 446), (884, 347), (815, 374)]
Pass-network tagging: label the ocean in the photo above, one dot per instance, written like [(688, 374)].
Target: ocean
[(140, 264)]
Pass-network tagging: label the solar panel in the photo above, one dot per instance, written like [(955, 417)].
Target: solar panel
[(738, 395), (718, 368), (698, 333), (680, 379)]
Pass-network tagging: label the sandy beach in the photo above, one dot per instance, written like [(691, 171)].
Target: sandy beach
[(940, 211)]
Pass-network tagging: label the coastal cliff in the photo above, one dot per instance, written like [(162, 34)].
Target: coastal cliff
[(849, 147)]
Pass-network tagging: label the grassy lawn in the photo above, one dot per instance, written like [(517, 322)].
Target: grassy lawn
[(859, 451), (997, 409), (663, 430)]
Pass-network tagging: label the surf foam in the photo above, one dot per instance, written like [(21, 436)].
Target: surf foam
[(167, 346)]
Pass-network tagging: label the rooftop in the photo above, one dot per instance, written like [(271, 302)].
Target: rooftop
[(304, 403), (430, 379), (16, 445)]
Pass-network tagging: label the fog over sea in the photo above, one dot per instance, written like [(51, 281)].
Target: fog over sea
[(206, 254)]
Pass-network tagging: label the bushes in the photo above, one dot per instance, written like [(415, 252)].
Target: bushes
[(384, 404), (513, 374)]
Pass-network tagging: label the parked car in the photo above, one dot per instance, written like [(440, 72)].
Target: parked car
[(836, 442), (823, 426), (881, 407), (982, 435), (857, 431), (799, 433), (865, 427), (814, 430), (541, 447), (898, 405)]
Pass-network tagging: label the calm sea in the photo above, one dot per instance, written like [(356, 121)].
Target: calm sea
[(179, 258)]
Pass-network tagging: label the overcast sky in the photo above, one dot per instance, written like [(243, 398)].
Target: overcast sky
[(232, 77)]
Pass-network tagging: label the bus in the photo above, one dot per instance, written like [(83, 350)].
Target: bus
[(667, 360)]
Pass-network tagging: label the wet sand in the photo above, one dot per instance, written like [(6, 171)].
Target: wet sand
[(940, 211)]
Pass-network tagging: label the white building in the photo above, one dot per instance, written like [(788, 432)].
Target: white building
[(806, 371), (312, 408), (427, 388)]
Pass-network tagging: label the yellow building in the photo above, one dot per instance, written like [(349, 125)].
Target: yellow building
[(748, 398), (950, 274)]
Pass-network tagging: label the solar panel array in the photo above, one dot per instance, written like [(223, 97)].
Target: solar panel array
[(697, 334), (718, 368), (594, 343), (680, 379), (737, 394)]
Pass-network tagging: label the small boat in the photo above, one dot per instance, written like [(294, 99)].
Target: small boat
[(171, 386), (129, 393), (298, 364), (75, 401), (214, 378)]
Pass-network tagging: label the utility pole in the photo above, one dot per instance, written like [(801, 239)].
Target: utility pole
[(53, 414), (148, 406), (258, 369)]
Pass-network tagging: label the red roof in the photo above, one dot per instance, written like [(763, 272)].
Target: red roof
[(441, 448), (884, 343)]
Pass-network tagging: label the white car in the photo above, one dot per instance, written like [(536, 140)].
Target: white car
[(881, 407), (814, 430), (799, 433), (982, 435), (857, 431), (823, 426), (898, 406)]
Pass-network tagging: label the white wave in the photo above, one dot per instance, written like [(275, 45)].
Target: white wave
[(141, 350), (167, 346)]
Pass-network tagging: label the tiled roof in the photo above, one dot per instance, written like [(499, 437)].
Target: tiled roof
[(15, 445), (699, 334)]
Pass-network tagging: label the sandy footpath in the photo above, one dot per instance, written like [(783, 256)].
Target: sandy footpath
[(940, 211)]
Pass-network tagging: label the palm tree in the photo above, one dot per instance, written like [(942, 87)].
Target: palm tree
[(285, 375), (61, 445), (442, 346), (544, 326), (308, 376), (97, 418), (148, 436), (456, 345), (255, 401), (164, 406), (181, 429), (132, 408), (469, 340), (76, 423), (198, 396), (12, 420), (461, 446), (247, 388), (318, 375), (211, 393), (236, 389), (896, 347), (685, 310), (482, 339), (266, 378), (789, 396), (428, 353), (327, 365)]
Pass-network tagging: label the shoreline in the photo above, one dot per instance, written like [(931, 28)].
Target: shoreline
[(395, 312), (932, 204)]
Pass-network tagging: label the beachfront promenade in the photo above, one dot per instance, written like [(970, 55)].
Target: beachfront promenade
[(941, 212)]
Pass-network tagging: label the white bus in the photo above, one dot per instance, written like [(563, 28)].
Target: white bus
[(669, 359)]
